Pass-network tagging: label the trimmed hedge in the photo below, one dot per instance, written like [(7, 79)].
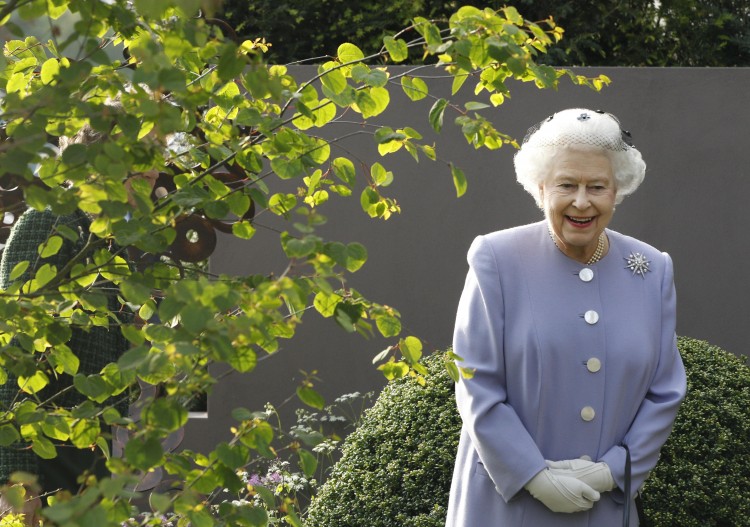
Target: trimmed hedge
[(396, 468)]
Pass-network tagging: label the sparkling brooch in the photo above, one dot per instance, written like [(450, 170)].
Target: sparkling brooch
[(637, 263)]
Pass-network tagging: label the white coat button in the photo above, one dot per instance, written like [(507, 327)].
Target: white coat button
[(594, 364), (591, 317), (586, 274), (587, 413), (586, 457)]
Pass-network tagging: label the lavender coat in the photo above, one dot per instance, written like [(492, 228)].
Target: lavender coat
[(564, 368)]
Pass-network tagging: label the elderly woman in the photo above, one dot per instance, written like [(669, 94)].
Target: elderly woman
[(569, 328)]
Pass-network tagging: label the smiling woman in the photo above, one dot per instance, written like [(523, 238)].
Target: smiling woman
[(569, 330), (578, 198)]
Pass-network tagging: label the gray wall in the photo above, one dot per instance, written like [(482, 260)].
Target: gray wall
[(689, 124)]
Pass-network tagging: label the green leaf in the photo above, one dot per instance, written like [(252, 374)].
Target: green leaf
[(388, 325), (310, 397), (233, 456), (344, 169), (19, 269), (165, 413), (512, 14), (144, 452), (382, 98), (34, 383), (394, 370), (411, 349), (64, 360), (292, 518), (241, 414), (84, 432), (298, 248), (243, 359), (452, 370), (50, 69), (414, 87), (347, 315), (476, 106), (436, 114), (43, 447), (92, 386), (325, 303), (16, 83), (397, 48), (8, 435), (287, 168), (307, 462), (370, 77), (282, 204), (332, 78), (356, 256), (349, 53), (243, 230), (459, 180), (135, 291), (44, 275), (458, 81), (380, 176), (132, 334)]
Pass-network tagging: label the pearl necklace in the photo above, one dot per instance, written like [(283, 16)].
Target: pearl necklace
[(598, 253)]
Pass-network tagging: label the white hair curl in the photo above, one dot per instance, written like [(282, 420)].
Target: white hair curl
[(578, 128)]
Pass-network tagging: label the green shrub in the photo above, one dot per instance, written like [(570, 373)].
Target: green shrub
[(703, 476), (396, 467)]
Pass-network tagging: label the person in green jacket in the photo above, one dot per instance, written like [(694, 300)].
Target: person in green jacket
[(94, 347)]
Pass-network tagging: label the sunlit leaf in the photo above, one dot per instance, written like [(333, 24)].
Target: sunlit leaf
[(325, 303), (414, 87), (436, 114), (397, 48), (411, 349), (459, 180), (348, 52), (34, 383)]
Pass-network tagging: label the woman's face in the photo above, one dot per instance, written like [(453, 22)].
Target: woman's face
[(578, 198)]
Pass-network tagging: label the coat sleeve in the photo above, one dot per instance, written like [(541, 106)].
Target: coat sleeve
[(504, 446), (653, 421)]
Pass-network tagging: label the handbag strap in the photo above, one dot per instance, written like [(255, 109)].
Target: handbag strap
[(626, 511)]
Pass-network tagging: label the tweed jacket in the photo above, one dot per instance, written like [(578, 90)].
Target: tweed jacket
[(567, 364), (94, 347)]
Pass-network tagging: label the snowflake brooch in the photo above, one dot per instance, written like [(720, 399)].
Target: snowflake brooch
[(637, 263)]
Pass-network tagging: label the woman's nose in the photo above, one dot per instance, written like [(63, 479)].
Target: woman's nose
[(581, 200)]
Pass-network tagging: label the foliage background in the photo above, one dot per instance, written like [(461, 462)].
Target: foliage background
[(598, 33)]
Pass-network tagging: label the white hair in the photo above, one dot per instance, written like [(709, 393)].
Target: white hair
[(578, 128)]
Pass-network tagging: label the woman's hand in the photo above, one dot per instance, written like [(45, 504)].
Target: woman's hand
[(562, 493), (595, 475)]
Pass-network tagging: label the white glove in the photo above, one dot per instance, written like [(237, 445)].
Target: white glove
[(562, 493), (595, 475)]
